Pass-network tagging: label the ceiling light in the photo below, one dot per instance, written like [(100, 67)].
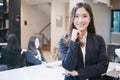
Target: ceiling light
[(1, 2)]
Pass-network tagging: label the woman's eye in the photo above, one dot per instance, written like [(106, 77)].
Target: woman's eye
[(76, 16), (84, 16)]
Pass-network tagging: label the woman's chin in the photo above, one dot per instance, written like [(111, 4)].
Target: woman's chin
[(81, 29)]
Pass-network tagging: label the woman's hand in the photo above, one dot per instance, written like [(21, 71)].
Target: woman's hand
[(71, 73), (75, 34)]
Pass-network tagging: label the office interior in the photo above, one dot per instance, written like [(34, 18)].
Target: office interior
[(49, 20)]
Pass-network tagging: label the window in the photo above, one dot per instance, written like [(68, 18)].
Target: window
[(115, 20)]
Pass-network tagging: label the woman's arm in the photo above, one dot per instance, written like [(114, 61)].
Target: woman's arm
[(31, 58), (68, 54)]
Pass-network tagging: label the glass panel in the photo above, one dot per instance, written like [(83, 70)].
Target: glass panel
[(116, 21)]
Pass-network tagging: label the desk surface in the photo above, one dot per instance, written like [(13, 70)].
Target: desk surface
[(49, 71), (113, 70)]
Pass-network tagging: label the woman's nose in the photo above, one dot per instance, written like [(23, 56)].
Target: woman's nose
[(80, 19)]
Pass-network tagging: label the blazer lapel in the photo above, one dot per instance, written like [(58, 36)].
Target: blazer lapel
[(89, 46)]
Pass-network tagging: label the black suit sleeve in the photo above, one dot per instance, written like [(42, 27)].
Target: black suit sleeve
[(68, 54), (30, 58)]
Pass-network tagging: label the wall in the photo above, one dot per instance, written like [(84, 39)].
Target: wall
[(57, 10), (102, 19), (36, 20), (115, 4)]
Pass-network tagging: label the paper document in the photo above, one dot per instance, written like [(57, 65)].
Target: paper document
[(117, 51)]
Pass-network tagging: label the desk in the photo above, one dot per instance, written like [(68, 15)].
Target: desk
[(3, 44), (111, 51), (113, 70), (49, 71)]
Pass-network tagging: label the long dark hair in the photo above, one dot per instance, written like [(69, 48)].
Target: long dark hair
[(14, 58), (31, 44), (90, 28), (13, 44)]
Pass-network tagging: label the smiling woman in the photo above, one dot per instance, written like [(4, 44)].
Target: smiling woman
[(88, 61)]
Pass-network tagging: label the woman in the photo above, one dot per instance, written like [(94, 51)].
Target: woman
[(11, 54), (34, 55), (83, 53)]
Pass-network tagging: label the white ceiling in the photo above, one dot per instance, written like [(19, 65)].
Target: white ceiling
[(37, 2), (42, 4)]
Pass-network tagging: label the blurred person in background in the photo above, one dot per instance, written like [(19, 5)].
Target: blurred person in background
[(34, 55), (11, 54)]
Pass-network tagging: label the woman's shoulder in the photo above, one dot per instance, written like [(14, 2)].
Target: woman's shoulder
[(65, 36), (62, 39), (98, 36), (29, 51)]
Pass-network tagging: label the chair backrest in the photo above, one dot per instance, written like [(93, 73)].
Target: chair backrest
[(111, 51), (56, 54), (117, 51), (25, 62), (3, 67), (24, 58)]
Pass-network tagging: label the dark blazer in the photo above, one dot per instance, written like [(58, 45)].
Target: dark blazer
[(96, 61), (11, 59), (31, 60)]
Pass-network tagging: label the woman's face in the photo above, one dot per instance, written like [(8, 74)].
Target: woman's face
[(37, 44), (82, 19)]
